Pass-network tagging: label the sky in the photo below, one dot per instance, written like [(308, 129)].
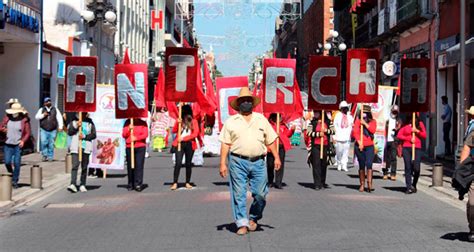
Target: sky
[(237, 30)]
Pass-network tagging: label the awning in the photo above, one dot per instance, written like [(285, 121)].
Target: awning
[(363, 6), (454, 52)]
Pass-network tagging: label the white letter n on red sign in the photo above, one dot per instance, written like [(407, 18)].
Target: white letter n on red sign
[(125, 89)]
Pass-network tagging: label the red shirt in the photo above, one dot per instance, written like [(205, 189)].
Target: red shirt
[(405, 134), (317, 139), (191, 137), (284, 135), (367, 140), (140, 131)]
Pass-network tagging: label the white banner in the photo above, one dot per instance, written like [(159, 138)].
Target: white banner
[(109, 148)]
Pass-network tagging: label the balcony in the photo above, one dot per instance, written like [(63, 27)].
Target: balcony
[(409, 13)]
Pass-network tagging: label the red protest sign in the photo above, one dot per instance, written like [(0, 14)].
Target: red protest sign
[(324, 82), (228, 89), (80, 84), (279, 90), (362, 75), (131, 90), (414, 88), (181, 74)]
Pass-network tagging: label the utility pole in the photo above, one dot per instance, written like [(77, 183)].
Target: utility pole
[(462, 69)]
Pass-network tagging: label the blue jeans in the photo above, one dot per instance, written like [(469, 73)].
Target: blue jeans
[(241, 173), (47, 143), (365, 157), (13, 154)]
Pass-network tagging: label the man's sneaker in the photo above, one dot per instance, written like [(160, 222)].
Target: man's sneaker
[(72, 188), (344, 168), (82, 188), (470, 237)]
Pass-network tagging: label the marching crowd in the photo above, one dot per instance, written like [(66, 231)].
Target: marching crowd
[(253, 147)]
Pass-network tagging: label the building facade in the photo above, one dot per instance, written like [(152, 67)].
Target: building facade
[(20, 51)]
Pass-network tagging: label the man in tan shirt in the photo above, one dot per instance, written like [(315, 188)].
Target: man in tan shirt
[(467, 152), (245, 138)]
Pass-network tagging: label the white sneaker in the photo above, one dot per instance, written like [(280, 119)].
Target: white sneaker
[(72, 188), (147, 155), (344, 168), (82, 188), (339, 167)]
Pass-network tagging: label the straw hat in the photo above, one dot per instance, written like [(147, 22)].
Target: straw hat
[(11, 101), (470, 110), (244, 92), (343, 104), (16, 108), (367, 108)]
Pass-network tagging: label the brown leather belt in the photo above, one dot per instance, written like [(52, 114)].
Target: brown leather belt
[(251, 159)]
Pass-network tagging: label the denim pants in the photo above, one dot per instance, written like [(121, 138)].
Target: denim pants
[(412, 168), (365, 157), (241, 173), (13, 154), (47, 139)]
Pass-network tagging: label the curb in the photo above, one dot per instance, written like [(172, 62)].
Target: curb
[(31, 196)]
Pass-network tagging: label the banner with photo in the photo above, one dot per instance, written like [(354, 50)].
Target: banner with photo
[(109, 147)]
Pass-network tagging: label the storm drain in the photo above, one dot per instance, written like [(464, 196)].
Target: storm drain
[(64, 205)]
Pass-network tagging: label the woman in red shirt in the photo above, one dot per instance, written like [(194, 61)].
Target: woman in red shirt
[(140, 134), (285, 145), (189, 133), (315, 133), (412, 168), (364, 150)]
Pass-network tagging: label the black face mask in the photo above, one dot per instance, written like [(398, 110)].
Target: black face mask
[(246, 107), (345, 110)]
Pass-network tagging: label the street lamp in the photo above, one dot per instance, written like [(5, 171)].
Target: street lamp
[(335, 46), (99, 12)]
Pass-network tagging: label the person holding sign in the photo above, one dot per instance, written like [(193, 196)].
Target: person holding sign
[(189, 133), (364, 147), (245, 138), (82, 134), (283, 147), (343, 122), (316, 133), (412, 134), (136, 131)]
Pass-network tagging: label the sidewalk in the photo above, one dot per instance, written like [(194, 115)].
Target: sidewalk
[(54, 178)]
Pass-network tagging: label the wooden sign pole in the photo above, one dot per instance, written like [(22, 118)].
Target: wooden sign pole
[(413, 137), (79, 145), (321, 147), (179, 125), (132, 149), (278, 133)]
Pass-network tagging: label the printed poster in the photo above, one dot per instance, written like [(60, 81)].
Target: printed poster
[(109, 148)]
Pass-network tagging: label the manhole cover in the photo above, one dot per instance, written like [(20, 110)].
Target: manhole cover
[(72, 205)]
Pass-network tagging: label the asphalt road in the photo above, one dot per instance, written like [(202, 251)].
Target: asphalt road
[(297, 218)]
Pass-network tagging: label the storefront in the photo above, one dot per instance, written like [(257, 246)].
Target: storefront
[(20, 50)]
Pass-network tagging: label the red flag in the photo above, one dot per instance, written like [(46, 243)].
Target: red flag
[(274, 55), (258, 93), (299, 108), (126, 57), (210, 93), (289, 56), (159, 95), (207, 106), (172, 110)]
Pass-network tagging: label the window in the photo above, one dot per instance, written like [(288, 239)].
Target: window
[(45, 89)]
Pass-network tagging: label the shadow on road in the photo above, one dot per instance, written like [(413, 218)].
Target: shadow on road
[(92, 187), (461, 236), (401, 189), (306, 185), (231, 227), (116, 175), (349, 186), (221, 183)]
